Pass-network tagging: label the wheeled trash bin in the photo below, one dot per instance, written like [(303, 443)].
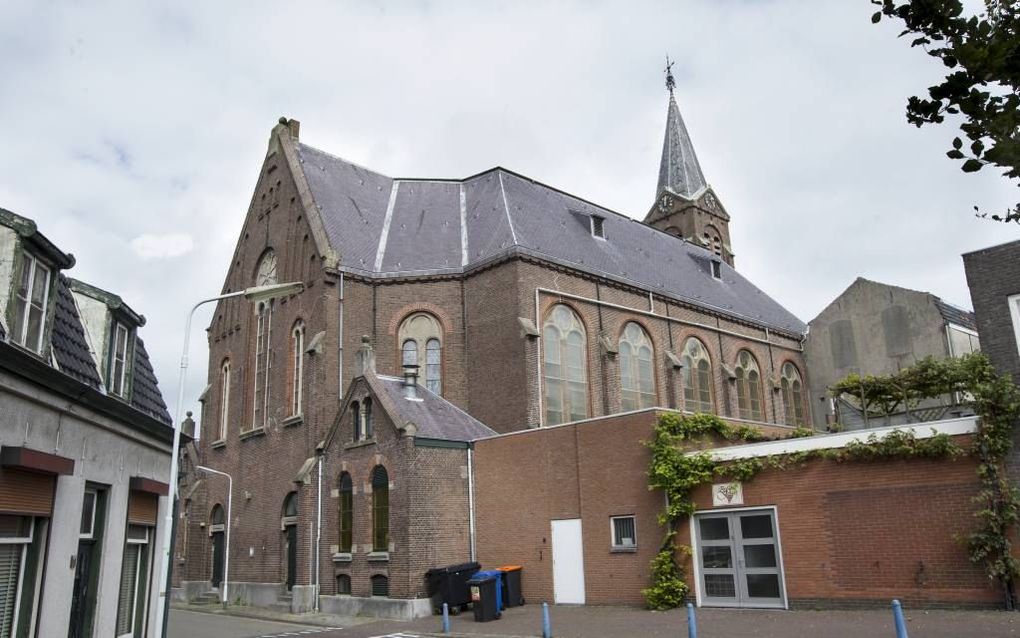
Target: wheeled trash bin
[(512, 593), (484, 590), (449, 585)]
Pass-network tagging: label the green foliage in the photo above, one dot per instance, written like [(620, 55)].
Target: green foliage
[(982, 82), (668, 588)]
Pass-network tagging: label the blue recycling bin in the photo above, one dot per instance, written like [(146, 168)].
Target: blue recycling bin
[(498, 575)]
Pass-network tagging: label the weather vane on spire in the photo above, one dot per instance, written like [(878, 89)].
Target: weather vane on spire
[(670, 82)]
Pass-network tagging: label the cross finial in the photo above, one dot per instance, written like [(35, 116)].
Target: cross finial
[(670, 82)]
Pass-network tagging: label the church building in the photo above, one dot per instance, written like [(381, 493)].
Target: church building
[(436, 313)]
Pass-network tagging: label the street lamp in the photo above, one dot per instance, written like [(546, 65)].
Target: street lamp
[(254, 294), (226, 558)]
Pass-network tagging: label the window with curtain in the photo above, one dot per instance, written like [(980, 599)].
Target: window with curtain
[(793, 394), (697, 377), (297, 366), (346, 513), (748, 387), (134, 579), (422, 333), (380, 510), (16, 534), (31, 299), (224, 399), (637, 376), (565, 374)]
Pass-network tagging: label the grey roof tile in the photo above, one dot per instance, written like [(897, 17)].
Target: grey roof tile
[(679, 169), (433, 416), (70, 348), (145, 394), (507, 212), (953, 314)]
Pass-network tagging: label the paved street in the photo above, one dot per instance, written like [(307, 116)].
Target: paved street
[(618, 622)]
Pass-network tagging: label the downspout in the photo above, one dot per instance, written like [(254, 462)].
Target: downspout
[(340, 349), (538, 362), (471, 503), (318, 532)]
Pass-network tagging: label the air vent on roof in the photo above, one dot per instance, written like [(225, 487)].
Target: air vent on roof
[(598, 226), (717, 269)]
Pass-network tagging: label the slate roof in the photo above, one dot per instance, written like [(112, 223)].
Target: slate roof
[(385, 226), (955, 315), (145, 394), (679, 170), (70, 348), (433, 416)]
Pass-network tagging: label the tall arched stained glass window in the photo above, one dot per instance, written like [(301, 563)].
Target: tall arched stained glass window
[(421, 333), (793, 394), (748, 387), (565, 375), (637, 375), (697, 375)]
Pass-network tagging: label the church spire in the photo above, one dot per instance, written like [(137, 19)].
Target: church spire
[(679, 171)]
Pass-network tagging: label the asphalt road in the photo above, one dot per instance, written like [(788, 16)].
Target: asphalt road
[(189, 624)]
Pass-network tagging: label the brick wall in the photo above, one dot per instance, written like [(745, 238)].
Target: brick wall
[(851, 533), (993, 275)]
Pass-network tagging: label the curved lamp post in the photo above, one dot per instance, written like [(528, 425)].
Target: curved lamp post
[(254, 294)]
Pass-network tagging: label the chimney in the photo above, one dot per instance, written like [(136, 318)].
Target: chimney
[(410, 383), (364, 359)]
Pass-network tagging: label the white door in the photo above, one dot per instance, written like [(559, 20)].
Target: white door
[(568, 562)]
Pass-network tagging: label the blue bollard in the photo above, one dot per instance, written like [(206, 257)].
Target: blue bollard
[(446, 618), (692, 622), (546, 627), (901, 624)]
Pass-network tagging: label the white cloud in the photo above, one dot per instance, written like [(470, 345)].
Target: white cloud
[(162, 246)]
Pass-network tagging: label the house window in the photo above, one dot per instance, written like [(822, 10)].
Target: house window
[(421, 332), (793, 394), (623, 529), (30, 302), (697, 377), (17, 576), (380, 586), (343, 585), (380, 510), (356, 420), (566, 383), (118, 359), (134, 580), (263, 363), (346, 515), (598, 227), (366, 417), (637, 377), (297, 354), (224, 398), (748, 387)]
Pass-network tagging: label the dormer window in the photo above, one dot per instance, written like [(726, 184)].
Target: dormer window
[(716, 269), (30, 302), (598, 227), (118, 359)]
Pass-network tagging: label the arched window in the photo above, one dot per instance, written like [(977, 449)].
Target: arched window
[(356, 420), (343, 584), (265, 275), (697, 377), (224, 399), (748, 387), (566, 374), (793, 394), (297, 366), (290, 505), (421, 332), (217, 517), (380, 510), (366, 417), (346, 513), (380, 586), (637, 376)]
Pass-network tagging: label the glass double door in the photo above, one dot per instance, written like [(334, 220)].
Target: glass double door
[(739, 560)]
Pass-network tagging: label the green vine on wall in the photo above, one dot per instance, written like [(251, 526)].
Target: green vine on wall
[(678, 472)]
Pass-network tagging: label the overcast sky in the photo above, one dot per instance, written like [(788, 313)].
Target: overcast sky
[(133, 132)]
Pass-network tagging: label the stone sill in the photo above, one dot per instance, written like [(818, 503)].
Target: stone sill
[(343, 557), (631, 549), (218, 444), (250, 434), (378, 557), (356, 444), (291, 421)]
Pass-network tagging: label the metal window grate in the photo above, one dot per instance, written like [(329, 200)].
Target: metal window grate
[(623, 532), (380, 586), (343, 584)]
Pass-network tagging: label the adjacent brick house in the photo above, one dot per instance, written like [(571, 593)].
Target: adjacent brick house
[(520, 306)]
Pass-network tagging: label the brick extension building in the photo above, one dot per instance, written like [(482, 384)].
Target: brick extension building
[(405, 410)]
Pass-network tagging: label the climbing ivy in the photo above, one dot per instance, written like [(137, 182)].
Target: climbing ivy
[(677, 468)]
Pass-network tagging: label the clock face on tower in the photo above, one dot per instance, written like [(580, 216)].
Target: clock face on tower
[(266, 275), (665, 202)]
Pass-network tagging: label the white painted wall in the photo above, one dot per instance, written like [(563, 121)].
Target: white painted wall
[(94, 318)]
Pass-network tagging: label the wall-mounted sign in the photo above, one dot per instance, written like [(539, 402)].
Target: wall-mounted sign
[(727, 494)]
